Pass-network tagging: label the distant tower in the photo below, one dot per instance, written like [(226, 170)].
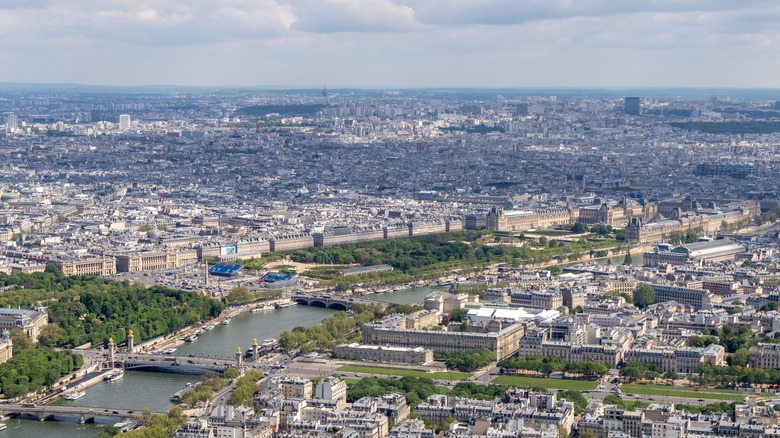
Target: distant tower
[(11, 122), (254, 349), (238, 357), (632, 106), (124, 122), (130, 344), (324, 91), (111, 348)]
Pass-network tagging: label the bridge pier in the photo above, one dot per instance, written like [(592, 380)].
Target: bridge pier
[(82, 419)]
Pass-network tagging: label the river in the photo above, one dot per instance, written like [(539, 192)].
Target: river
[(140, 389)]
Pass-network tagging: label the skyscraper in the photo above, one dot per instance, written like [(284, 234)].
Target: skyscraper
[(11, 122), (124, 122), (632, 106)]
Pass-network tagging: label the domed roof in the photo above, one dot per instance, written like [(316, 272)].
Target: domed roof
[(7, 196)]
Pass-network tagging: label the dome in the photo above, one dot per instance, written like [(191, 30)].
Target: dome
[(9, 196)]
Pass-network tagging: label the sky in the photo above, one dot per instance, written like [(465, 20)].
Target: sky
[(393, 43)]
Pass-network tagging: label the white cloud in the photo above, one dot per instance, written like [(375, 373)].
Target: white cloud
[(392, 42)]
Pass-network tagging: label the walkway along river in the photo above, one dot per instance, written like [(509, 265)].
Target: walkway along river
[(139, 389)]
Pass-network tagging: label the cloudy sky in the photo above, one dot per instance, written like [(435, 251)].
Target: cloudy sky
[(393, 43)]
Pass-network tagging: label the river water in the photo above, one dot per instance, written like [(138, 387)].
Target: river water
[(140, 389)]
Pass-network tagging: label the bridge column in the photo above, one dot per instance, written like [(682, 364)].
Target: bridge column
[(111, 348), (238, 357), (254, 350), (130, 343), (82, 419)]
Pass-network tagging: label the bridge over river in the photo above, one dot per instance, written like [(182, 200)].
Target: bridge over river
[(175, 364), (84, 414), (338, 302)]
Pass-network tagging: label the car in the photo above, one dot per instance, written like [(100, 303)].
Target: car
[(129, 412), (651, 399), (115, 412), (701, 400)]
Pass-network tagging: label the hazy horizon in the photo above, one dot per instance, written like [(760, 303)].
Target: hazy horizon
[(393, 43)]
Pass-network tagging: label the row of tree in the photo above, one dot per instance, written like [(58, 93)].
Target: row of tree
[(551, 364), (330, 332), (468, 361)]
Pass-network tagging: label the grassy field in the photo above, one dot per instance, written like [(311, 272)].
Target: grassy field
[(524, 382), (441, 375), (670, 391)]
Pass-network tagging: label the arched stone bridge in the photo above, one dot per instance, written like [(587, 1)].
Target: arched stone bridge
[(84, 414), (338, 302), (175, 364)]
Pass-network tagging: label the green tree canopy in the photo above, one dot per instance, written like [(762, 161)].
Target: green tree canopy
[(644, 295)]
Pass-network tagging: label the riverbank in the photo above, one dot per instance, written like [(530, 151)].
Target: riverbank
[(176, 339)]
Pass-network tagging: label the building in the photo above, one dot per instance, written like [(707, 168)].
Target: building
[(88, 266), (385, 353), (293, 387), (291, 241), (29, 321), (332, 392), (11, 122), (522, 220), (681, 360), (697, 298), (124, 122), (503, 343), (632, 106), (139, 261), (6, 349), (765, 355), (708, 251)]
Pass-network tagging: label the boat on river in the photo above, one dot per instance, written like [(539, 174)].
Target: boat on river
[(208, 328), (283, 305), (114, 376), (226, 321), (75, 395), (3, 426), (263, 308), (177, 396)]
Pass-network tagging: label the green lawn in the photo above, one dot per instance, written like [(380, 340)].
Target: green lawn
[(671, 391), (524, 382), (441, 375)]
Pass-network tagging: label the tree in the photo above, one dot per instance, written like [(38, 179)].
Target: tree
[(554, 270), (576, 397), (579, 228), (231, 373), (52, 335), (671, 375), (772, 305), (739, 358), (20, 340), (627, 260), (644, 295), (458, 315)]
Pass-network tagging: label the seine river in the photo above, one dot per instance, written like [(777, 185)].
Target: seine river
[(139, 389)]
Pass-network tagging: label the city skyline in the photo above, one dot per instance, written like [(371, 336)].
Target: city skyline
[(397, 44)]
